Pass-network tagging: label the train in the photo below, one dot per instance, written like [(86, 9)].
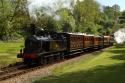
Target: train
[(51, 46)]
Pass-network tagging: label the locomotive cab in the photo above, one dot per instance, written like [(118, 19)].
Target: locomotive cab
[(33, 46)]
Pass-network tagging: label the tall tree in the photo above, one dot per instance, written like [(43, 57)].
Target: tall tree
[(5, 12), (87, 15), (14, 15), (67, 20), (111, 15)]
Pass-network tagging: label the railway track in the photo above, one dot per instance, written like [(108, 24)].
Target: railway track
[(13, 71), (10, 71), (16, 70)]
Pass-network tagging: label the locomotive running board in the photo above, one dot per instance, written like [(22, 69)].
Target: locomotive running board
[(76, 53)]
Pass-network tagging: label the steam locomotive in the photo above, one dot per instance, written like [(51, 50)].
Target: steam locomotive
[(52, 46)]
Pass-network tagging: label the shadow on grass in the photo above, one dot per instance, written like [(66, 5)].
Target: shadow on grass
[(102, 74), (120, 54), (121, 51), (119, 57)]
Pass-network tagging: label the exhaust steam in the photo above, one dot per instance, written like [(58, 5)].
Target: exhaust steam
[(120, 36), (49, 7)]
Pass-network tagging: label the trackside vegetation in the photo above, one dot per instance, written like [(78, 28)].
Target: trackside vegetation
[(101, 67), (8, 51), (87, 16)]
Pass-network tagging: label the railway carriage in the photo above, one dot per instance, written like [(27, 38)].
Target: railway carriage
[(107, 41), (111, 40), (98, 42), (88, 42), (101, 40), (74, 42)]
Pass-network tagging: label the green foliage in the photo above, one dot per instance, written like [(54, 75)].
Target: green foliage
[(14, 15), (110, 18), (86, 16), (122, 20), (5, 11), (67, 21)]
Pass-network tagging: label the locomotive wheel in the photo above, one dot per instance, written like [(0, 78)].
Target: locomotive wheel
[(40, 61), (29, 62), (55, 58), (50, 59), (46, 60), (58, 57), (62, 55)]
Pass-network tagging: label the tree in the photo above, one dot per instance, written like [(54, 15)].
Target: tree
[(87, 15), (110, 18), (20, 18), (14, 15), (67, 21), (5, 12)]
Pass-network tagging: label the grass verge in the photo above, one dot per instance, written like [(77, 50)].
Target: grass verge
[(8, 51), (104, 67)]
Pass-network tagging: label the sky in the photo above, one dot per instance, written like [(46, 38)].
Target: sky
[(121, 3)]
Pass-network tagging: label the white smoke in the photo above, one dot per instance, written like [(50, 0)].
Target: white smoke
[(49, 7), (57, 17), (120, 36)]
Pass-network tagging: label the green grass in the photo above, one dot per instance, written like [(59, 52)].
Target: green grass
[(100, 67), (8, 52)]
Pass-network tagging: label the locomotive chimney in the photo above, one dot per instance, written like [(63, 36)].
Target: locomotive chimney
[(33, 27)]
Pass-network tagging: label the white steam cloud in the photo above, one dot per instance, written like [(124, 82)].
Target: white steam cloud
[(49, 7), (120, 36), (57, 17)]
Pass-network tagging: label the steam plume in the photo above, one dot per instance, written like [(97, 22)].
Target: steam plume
[(49, 7), (120, 36)]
